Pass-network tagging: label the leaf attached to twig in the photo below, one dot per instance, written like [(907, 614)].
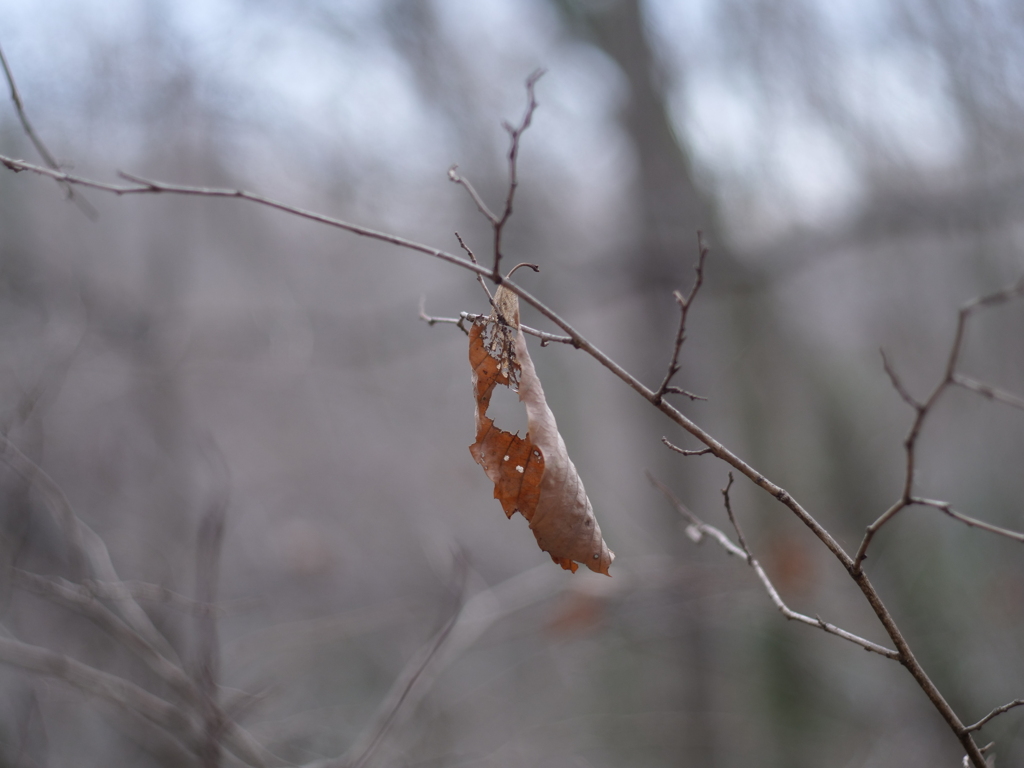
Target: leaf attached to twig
[(532, 475)]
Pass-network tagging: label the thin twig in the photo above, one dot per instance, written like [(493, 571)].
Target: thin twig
[(210, 542), (985, 390), (103, 685), (995, 713), (405, 682), (871, 530), (946, 507), (515, 136), (545, 337), (478, 614), (897, 384), (141, 590), (83, 205), (432, 321), (735, 524), (741, 551), (89, 552), (455, 176), (680, 391), (683, 451), (684, 302), (82, 599), (479, 277)]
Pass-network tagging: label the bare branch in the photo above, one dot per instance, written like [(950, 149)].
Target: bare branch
[(741, 551), (735, 524), (946, 507), (82, 599), (869, 534), (684, 302), (478, 614), (545, 337), (361, 752), (515, 135), (479, 277), (897, 384), (498, 222), (207, 672), (89, 553), (679, 391), (44, 152), (995, 713), (141, 590), (990, 392), (101, 684), (683, 451), (455, 176), (432, 321)]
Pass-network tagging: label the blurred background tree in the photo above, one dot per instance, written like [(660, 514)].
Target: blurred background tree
[(855, 167)]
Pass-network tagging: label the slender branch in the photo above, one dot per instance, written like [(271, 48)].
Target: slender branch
[(683, 451), (1007, 398), (101, 684), (207, 673), (80, 599), (403, 686), (432, 321), (700, 529), (732, 519), (478, 614), (83, 600), (479, 277), (545, 337), (498, 222), (515, 135), (455, 176), (141, 590), (88, 552), (44, 152), (897, 384), (141, 635), (680, 391), (946, 507), (684, 302), (995, 713), (871, 530)]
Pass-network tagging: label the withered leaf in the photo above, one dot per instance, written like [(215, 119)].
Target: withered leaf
[(532, 475)]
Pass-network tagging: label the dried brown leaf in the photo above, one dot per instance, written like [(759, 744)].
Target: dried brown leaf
[(532, 475)]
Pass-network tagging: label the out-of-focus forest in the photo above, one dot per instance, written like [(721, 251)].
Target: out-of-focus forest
[(856, 170)]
